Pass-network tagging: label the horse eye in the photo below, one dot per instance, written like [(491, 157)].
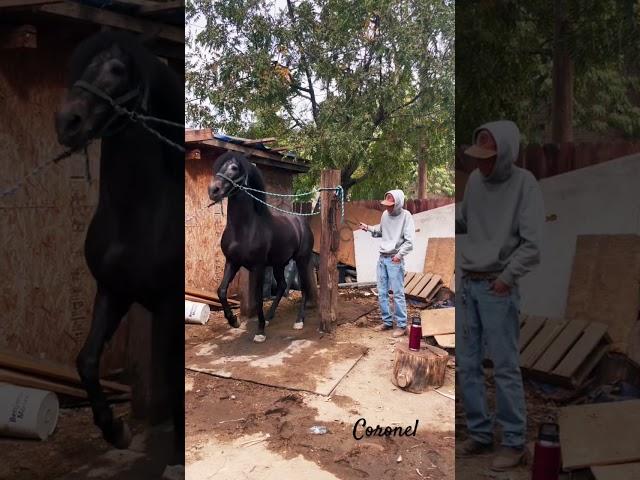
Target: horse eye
[(234, 168)]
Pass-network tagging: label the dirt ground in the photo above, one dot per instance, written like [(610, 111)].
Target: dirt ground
[(237, 429)]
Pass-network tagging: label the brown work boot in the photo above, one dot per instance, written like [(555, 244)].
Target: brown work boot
[(471, 447), (508, 458), (383, 327), (399, 332)]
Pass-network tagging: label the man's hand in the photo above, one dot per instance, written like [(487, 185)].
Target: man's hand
[(396, 259), (500, 288), (364, 226)]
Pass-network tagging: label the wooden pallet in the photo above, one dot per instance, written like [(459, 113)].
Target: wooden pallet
[(562, 352), (422, 286)]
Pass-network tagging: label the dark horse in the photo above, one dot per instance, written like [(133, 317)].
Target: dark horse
[(255, 238), (135, 242)]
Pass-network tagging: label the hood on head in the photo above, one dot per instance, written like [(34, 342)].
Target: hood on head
[(507, 137), (398, 197)]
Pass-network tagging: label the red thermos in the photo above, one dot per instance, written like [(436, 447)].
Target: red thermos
[(546, 458), (415, 334)]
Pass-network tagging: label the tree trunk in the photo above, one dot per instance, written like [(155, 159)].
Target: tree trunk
[(422, 178), (562, 78), (416, 371), (329, 242)]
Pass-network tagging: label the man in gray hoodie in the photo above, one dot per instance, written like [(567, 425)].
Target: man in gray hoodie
[(500, 222), (397, 230)]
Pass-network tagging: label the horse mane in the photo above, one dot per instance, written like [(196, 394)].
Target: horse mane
[(254, 178)]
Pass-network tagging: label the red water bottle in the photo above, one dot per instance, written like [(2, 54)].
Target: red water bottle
[(546, 458), (415, 334)]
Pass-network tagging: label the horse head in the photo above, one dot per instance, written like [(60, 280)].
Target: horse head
[(231, 170), (104, 78)]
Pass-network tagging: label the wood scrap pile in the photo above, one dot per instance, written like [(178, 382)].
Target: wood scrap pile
[(422, 286), (602, 437), (204, 296), (26, 371)]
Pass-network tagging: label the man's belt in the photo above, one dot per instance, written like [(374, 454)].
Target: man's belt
[(480, 275)]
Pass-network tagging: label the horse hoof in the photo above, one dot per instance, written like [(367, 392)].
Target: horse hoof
[(234, 323), (298, 325), (266, 323), (173, 472), (259, 338), (121, 435)]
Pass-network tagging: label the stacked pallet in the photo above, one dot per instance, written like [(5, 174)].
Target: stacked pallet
[(204, 296), (422, 286), (26, 371), (563, 352)]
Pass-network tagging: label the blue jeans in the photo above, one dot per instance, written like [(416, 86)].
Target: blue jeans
[(391, 277), (491, 320)]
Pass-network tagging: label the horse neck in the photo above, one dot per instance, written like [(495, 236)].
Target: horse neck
[(241, 209)]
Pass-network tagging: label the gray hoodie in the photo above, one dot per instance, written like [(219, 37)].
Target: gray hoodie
[(502, 214), (396, 229)]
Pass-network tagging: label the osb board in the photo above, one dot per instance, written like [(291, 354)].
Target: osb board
[(600, 434), (440, 259), (204, 260), (446, 341), (605, 284), (46, 293), (293, 359), (438, 321), (353, 216), (625, 471)]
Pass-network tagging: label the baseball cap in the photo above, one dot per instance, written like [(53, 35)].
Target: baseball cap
[(484, 146), (388, 203)]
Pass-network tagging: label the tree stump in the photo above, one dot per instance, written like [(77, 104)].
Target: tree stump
[(416, 371)]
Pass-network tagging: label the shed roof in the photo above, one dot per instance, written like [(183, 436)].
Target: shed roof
[(206, 139)]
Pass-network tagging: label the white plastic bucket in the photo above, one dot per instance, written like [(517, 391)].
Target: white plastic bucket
[(195, 312), (27, 412)]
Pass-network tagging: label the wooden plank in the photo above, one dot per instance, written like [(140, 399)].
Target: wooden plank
[(25, 380), (112, 19), (24, 36), (412, 284), (560, 346), (329, 243), (434, 292), (438, 321), (269, 159), (206, 294), (530, 327), (429, 287), (422, 283), (213, 303), (604, 284), (192, 135), (49, 370), (599, 434), (408, 277), (625, 471), (592, 362), (161, 7), (446, 341), (590, 339), (540, 343), (440, 258)]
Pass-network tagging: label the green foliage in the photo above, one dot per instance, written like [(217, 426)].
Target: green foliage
[(358, 86), (505, 56)]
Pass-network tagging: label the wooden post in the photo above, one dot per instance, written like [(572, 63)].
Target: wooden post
[(330, 218)]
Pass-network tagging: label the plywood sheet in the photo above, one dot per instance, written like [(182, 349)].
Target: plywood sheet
[(605, 281), (438, 321), (46, 293), (446, 341), (440, 258), (353, 215), (625, 471), (600, 434)]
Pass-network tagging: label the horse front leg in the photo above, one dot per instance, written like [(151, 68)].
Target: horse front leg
[(108, 311), (258, 282), (230, 271), (278, 273)]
